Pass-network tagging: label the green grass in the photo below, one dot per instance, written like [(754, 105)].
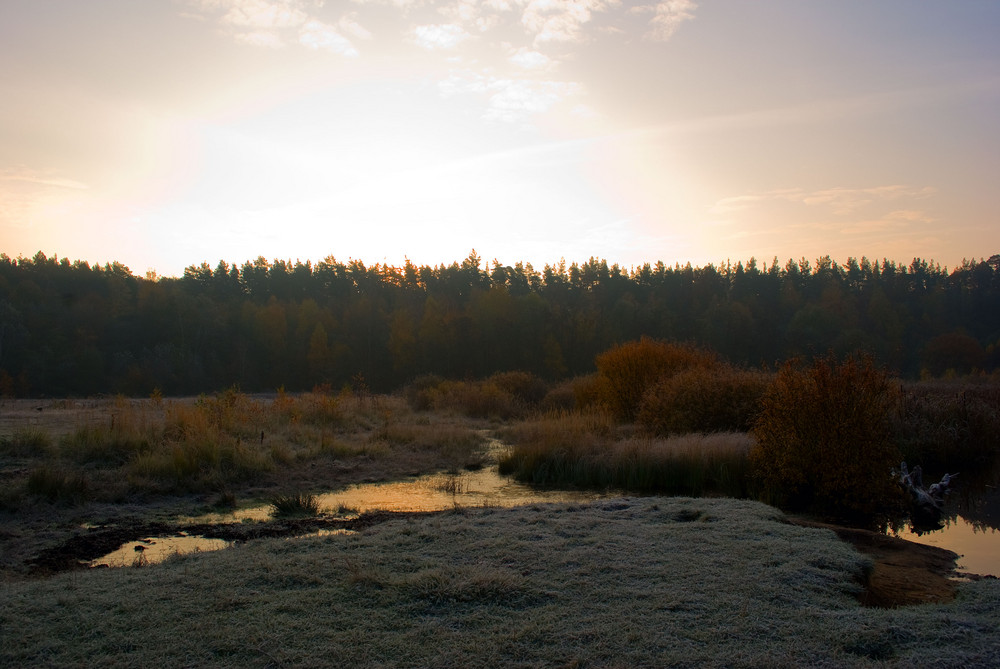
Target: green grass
[(616, 583)]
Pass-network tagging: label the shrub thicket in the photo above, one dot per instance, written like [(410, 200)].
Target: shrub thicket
[(503, 395), (703, 399), (627, 371), (823, 440)]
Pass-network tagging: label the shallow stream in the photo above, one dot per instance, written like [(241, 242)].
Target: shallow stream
[(971, 520)]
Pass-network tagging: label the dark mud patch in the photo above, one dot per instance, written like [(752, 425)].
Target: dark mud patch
[(904, 573), (90, 544)]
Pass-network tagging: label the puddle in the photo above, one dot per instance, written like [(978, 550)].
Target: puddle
[(157, 549)]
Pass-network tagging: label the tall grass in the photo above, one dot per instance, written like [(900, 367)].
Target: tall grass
[(231, 439), (947, 427), (26, 442), (294, 506), (587, 450)]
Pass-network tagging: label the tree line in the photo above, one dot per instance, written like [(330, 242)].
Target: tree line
[(68, 328)]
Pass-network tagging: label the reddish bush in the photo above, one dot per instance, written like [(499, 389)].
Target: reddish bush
[(824, 442), (627, 371), (703, 399)]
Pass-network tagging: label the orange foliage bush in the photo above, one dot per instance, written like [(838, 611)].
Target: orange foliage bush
[(627, 371), (703, 399), (823, 440)]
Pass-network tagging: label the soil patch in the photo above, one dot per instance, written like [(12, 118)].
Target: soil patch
[(905, 573)]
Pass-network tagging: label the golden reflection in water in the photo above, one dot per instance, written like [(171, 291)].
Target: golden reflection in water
[(979, 548), (435, 492), (156, 549), (443, 491)]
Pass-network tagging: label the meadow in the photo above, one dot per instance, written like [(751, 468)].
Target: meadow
[(622, 582), (694, 572)]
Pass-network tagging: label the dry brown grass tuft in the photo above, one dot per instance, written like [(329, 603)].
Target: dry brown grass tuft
[(590, 450)]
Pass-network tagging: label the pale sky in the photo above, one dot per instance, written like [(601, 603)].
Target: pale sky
[(170, 132)]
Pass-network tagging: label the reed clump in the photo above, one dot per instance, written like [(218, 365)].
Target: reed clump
[(58, 485), (26, 442), (296, 505), (591, 450)]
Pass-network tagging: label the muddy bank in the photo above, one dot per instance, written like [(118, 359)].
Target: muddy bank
[(90, 544), (905, 573)]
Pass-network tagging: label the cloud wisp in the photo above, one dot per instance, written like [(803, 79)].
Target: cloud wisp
[(518, 44)]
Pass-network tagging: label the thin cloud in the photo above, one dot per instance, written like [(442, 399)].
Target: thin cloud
[(318, 35), (839, 200), (446, 36), (668, 16), (272, 14), (530, 59), (560, 20), (516, 99), (510, 100)]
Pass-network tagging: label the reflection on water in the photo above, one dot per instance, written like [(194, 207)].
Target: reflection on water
[(971, 523), (156, 549), (435, 492), (978, 546), (970, 527)]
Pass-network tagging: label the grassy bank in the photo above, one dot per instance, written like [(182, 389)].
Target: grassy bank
[(627, 582), (119, 450)]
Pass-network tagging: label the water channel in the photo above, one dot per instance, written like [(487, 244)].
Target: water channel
[(970, 522)]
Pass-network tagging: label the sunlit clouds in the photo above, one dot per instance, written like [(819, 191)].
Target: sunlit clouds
[(167, 134)]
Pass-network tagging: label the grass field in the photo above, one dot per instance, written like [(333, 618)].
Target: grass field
[(615, 583), (652, 581)]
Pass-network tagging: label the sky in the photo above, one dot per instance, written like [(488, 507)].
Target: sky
[(170, 133)]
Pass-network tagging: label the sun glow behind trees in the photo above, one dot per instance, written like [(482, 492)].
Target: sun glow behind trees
[(154, 133)]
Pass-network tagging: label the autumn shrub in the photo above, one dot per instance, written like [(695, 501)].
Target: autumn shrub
[(587, 392), (421, 391), (475, 399), (627, 371), (560, 397), (523, 386), (823, 440), (720, 398)]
